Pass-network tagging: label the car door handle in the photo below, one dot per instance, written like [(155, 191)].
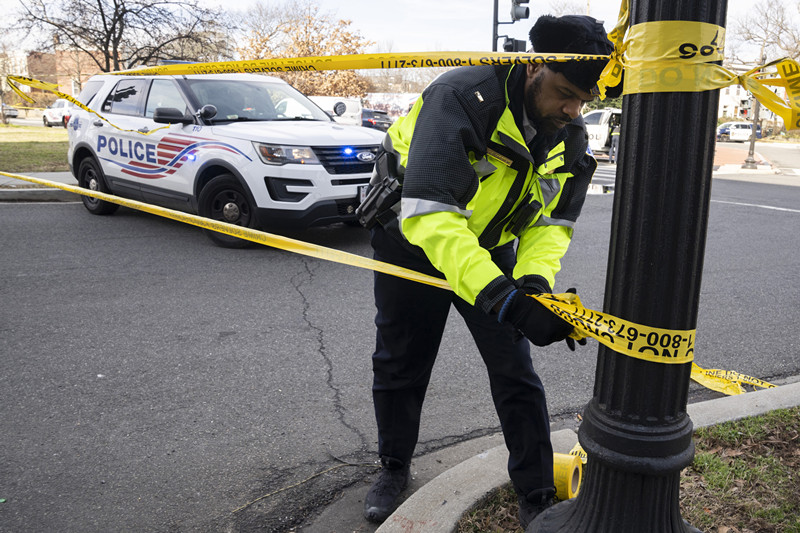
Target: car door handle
[(98, 123), (143, 129)]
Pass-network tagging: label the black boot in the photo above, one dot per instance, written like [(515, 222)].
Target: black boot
[(381, 500), (533, 504)]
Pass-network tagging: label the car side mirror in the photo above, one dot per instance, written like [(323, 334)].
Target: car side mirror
[(207, 111), (170, 115)]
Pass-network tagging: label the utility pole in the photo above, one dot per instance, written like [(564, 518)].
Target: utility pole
[(494, 28), (635, 430), (750, 161), (518, 12)]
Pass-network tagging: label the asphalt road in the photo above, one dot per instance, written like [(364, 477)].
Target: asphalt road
[(154, 382)]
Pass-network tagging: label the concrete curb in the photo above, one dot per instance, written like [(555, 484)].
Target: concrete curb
[(730, 408), (16, 190), (439, 505), (19, 194), (737, 169)]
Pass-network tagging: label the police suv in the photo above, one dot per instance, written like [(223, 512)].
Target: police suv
[(599, 124), (241, 148)]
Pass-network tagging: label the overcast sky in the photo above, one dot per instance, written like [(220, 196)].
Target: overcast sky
[(442, 25)]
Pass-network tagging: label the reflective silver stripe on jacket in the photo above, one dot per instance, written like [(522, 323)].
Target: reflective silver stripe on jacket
[(547, 221), (483, 168), (550, 189), (414, 207)]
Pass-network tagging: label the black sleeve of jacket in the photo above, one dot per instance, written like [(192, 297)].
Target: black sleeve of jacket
[(451, 123), (582, 167)]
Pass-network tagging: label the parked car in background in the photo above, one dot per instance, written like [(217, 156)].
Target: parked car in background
[(724, 131), (245, 149), (739, 132), (9, 112), (54, 114), (67, 114), (374, 118)]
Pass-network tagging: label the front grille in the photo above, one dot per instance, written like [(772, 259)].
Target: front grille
[(337, 160), (351, 181)]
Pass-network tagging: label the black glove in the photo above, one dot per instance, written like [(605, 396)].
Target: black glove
[(540, 325), (570, 341)]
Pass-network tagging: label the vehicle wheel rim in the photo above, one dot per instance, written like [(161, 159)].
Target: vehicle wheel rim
[(232, 207), (91, 182), (230, 212)]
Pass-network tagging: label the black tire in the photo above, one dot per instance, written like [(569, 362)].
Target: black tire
[(90, 176), (46, 124), (224, 199)]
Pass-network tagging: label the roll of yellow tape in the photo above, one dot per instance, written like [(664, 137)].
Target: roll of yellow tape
[(567, 473)]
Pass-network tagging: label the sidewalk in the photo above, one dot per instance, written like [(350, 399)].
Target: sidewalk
[(729, 160), (435, 502)]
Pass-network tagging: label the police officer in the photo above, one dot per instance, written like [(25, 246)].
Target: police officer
[(488, 156), (613, 153)]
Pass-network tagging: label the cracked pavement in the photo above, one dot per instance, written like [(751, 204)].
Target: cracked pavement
[(154, 382)]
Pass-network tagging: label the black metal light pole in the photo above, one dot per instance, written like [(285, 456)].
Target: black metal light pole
[(750, 161), (635, 429)]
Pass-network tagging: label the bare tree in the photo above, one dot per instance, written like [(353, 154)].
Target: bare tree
[(265, 28), (771, 25), (120, 34), (297, 28), (568, 7)]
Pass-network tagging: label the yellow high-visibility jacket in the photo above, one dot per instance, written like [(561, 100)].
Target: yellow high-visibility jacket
[(469, 180)]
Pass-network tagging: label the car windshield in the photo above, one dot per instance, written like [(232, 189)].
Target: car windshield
[(592, 118), (252, 100)]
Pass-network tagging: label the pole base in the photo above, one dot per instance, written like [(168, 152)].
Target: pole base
[(562, 518), (614, 501)]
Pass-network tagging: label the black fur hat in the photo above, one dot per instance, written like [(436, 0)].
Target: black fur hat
[(574, 34)]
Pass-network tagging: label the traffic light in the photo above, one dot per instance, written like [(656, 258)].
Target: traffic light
[(518, 11), (514, 45)]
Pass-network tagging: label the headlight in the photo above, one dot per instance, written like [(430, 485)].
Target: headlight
[(276, 154)]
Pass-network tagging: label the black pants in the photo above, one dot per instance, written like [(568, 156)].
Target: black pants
[(410, 321)]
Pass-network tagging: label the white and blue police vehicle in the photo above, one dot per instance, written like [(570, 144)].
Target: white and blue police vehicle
[(241, 148)]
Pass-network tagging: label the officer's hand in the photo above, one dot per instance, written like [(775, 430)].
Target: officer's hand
[(540, 325), (571, 341)]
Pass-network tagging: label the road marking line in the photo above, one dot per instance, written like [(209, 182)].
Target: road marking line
[(758, 205)]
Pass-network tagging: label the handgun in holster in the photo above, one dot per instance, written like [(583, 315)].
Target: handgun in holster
[(383, 195)]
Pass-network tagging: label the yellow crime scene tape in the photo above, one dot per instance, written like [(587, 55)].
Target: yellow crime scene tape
[(567, 475), (628, 338), (681, 56), (659, 56), (53, 88)]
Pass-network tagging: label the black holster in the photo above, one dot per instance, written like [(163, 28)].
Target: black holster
[(383, 195)]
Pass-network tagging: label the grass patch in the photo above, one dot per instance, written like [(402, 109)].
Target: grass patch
[(33, 149), (744, 479)]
